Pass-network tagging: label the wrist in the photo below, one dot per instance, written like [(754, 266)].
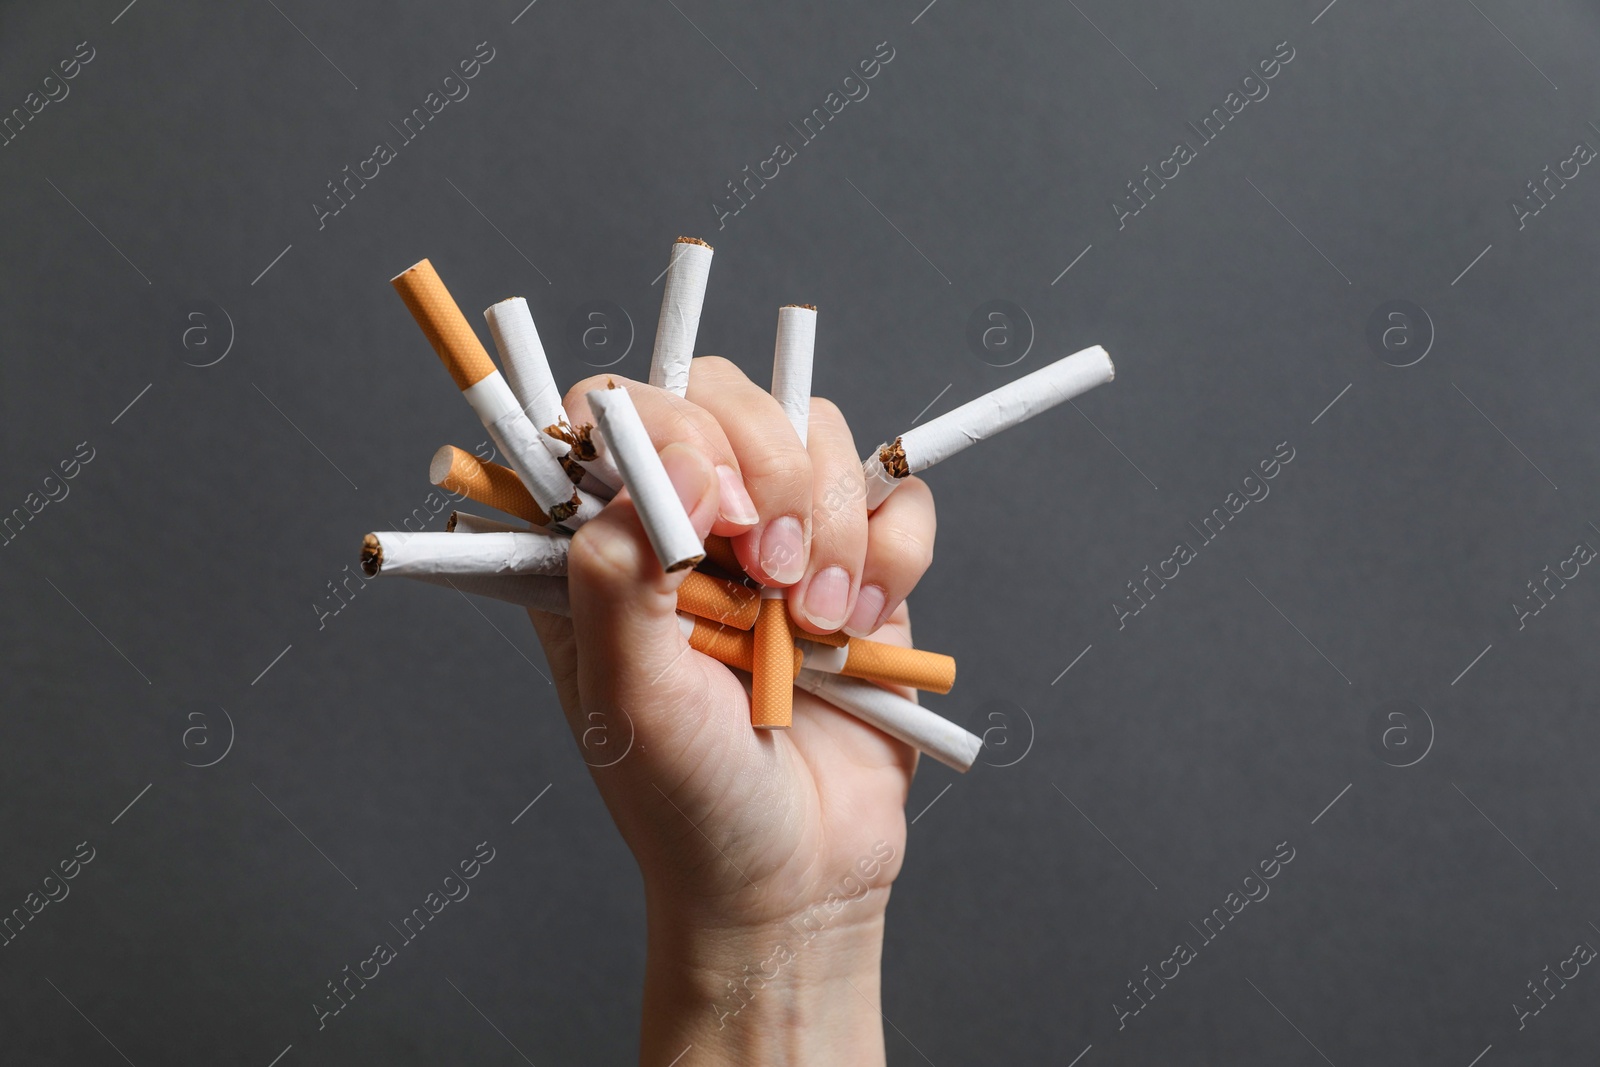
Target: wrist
[(798, 990)]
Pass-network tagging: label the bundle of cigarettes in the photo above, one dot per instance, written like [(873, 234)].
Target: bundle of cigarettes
[(561, 475)]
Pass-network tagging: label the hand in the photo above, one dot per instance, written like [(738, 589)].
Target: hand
[(761, 851)]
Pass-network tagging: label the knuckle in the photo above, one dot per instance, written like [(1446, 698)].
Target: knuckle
[(906, 548)]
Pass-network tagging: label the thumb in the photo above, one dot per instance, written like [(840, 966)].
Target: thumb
[(632, 659)]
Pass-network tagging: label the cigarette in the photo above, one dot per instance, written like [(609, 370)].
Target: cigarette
[(511, 552), (463, 474), (719, 550), (537, 591), (587, 450), (771, 681), (468, 523), (733, 648), (483, 387), (884, 663), (719, 600), (628, 442), (681, 299), (527, 371), (837, 639), (896, 716), (791, 363), (940, 438)]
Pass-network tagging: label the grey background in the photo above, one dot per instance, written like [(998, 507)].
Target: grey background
[(408, 727)]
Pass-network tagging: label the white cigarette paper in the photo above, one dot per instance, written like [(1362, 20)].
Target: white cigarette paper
[(939, 439), (464, 522), (522, 444), (791, 364), (527, 370), (513, 552), (537, 591), (896, 716), (628, 444), (682, 296)]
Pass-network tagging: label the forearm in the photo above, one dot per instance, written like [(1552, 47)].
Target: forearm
[(802, 992)]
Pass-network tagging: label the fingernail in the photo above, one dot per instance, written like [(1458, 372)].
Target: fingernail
[(869, 605), (826, 598), (783, 550), (736, 506)]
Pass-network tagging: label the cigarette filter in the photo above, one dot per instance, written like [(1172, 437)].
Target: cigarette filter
[(719, 600), (528, 373), (681, 299), (719, 550), (480, 383), (467, 523), (537, 591), (837, 639), (881, 662), (513, 552), (771, 681), (896, 716), (460, 472), (735, 648), (628, 442), (940, 438), (791, 363)]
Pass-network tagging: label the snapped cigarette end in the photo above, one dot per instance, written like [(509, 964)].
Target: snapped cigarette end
[(628, 443), (893, 458), (896, 716), (372, 555), (443, 324), (719, 600), (460, 472), (877, 661), (682, 297), (771, 679)]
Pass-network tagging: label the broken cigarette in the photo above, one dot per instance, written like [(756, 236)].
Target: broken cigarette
[(771, 682), (939, 439), (896, 716), (682, 297), (719, 550), (483, 387), (792, 357), (527, 371), (719, 600), (837, 639), (460, 472), (885, 663), (734, 648), (666, 522), (512, 552)]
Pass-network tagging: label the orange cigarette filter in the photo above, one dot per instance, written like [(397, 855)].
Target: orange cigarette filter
[(719, 550), (876, 661), (837, 639), (464, 474), (735, 648), (719, 600), (771, 683), (443, 324)]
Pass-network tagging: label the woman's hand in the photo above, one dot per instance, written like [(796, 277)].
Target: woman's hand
[(767, 856)]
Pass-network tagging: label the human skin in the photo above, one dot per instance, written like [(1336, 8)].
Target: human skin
[(740, 832)]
